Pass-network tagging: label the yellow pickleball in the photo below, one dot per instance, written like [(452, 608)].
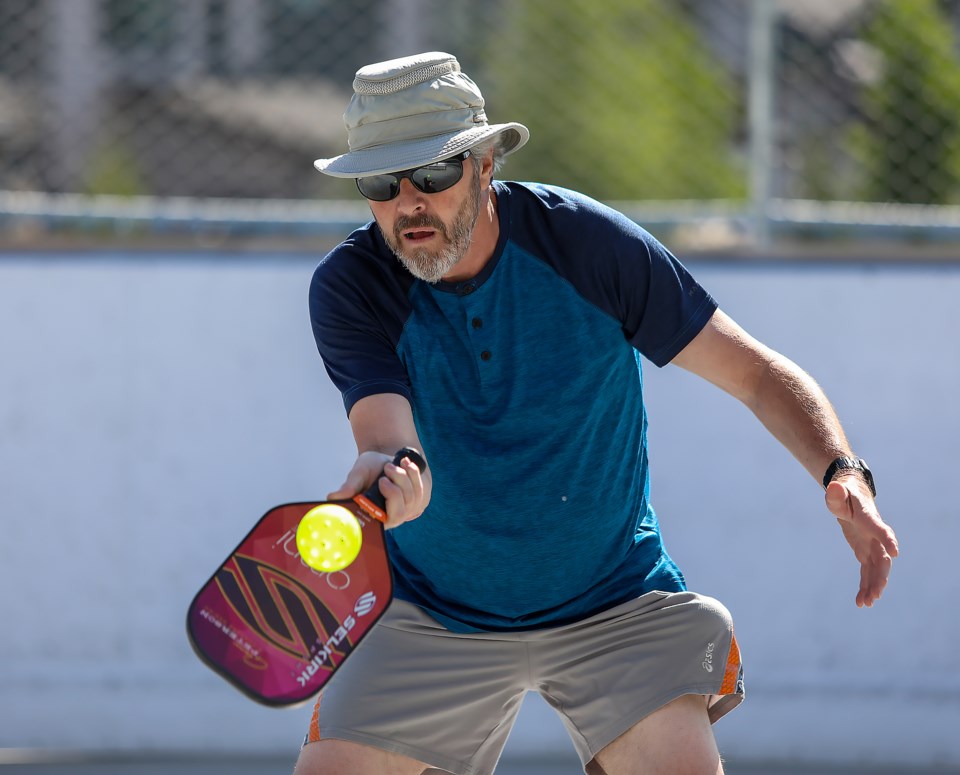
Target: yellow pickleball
[(329, 538)]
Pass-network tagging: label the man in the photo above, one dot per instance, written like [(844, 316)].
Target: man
[(497, 327)]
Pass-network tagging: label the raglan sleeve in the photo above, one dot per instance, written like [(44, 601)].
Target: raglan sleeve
[(624, 270), (632, 276), (356, 318), (661, 305)]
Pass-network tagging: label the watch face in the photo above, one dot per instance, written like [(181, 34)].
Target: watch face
[(867, 474)]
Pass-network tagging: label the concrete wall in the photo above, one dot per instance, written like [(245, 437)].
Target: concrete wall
[(152, 406)]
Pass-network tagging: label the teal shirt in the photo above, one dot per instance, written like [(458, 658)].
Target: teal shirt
[(527, 391)]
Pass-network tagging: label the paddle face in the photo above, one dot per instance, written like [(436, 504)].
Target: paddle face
[(274, 627)]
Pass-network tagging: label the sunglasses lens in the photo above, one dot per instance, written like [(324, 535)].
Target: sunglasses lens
[(437, 177), (429, 179), (379, 188)]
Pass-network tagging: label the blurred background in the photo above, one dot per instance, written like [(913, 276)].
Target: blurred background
[(728, 120), (159, 387)]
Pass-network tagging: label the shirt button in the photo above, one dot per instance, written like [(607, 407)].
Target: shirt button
[(486, 355), (477, 323), (467, 289)]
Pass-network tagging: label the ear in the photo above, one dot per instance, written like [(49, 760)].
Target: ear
[(486, 169)]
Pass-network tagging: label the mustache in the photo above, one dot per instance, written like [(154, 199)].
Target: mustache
[(422, 221)]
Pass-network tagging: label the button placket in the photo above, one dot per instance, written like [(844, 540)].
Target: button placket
[(477, 330)]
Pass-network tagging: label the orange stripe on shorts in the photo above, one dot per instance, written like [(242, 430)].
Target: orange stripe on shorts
[(732, 671), (313, 735)]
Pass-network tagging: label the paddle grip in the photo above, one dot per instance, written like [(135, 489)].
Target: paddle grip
[(373, 493)]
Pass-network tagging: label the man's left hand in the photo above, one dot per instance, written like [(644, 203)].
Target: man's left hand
[(872, 540)]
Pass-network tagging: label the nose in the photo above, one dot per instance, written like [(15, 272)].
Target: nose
[(409, 199)]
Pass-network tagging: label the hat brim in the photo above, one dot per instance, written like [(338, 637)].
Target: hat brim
[(408, 154)]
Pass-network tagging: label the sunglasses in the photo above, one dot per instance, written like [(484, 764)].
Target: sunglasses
[(430, 179)]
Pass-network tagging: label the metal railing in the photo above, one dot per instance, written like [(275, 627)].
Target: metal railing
[(741, 121)]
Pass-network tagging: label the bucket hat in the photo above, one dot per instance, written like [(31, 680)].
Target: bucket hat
[(413, 111)]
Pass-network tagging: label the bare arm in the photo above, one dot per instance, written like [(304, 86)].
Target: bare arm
[(795, 410), (782, 396), (383, 424)]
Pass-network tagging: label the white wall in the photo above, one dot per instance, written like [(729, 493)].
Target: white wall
[(152, 406)]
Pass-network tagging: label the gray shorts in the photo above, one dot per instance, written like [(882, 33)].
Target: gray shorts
[(450, 700)]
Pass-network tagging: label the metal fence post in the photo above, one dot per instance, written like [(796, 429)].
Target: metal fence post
[(73, 90), (761, 106)]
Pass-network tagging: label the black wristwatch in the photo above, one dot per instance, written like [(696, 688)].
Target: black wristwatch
[(850, 464)]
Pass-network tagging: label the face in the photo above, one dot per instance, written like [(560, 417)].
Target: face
[(430, 233)]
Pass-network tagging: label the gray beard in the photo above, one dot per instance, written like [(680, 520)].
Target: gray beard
[(432, 265)]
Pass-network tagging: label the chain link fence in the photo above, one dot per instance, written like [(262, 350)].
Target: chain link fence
[(744, 119)]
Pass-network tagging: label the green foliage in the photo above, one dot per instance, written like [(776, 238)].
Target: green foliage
[(113, 170), (622, 98), (911, 149)]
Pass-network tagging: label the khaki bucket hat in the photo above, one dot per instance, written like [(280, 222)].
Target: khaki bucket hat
[(414, 111)]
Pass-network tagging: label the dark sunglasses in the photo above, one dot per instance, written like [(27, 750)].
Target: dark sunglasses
[(430, 179)]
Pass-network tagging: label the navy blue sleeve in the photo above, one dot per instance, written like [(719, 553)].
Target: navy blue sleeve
[(358, 306), (614, 264)]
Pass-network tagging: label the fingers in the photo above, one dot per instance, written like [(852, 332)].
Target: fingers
[(850, 501), (873, 577), (365, 471), (403, 487), (873, 542), (350, 487), (404, 490)]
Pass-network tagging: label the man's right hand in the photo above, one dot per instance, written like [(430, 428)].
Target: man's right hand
[(405, 488)]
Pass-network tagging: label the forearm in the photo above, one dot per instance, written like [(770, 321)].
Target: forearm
[(785, 398), (793, 407), (382, 424), (795, 410)]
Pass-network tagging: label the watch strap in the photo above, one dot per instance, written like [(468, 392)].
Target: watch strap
[(849, 464)]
